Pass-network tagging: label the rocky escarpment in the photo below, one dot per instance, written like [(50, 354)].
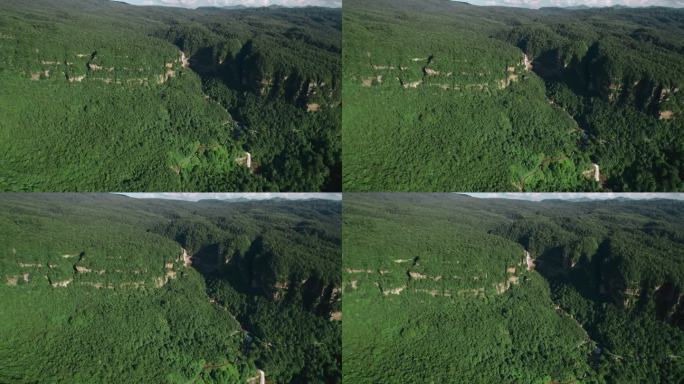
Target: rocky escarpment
[(603, 268), (249, 71), (265, 271), (82, 270), (670, 303), (259, 266), (611, 284), (595, 68), (248, 67), (316, 295), (667, 298)]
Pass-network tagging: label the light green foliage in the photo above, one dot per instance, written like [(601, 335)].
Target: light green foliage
[(95, 288), (437, 288), (439, 97), (102, 100)]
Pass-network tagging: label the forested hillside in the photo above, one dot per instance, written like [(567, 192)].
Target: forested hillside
[(98, 95), (445, 96), (105, 288), (450, 288)]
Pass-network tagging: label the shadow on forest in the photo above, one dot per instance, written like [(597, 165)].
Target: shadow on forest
[(585, 276), (255, 273), (597, 279), (241, 85)]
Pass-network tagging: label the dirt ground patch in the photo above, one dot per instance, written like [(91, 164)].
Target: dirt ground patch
[(529, 261), (349, 270), (393, 291), (62, 284), (666, 115)]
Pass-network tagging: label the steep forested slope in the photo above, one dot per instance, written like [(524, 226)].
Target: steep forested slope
[(104, 288), (447, 288), (100, 96), (445, 96)]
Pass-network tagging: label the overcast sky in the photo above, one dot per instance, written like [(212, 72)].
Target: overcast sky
[(589, 3), (247, 3), (229, 196), (595, 196)]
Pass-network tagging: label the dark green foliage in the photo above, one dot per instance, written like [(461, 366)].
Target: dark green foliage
[(601, 305), (616, 72), (297, 346), (101, 100), (266, 67), (94, 288), (439, 98)]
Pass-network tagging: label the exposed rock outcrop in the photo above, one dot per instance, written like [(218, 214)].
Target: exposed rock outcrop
[(594, 173)]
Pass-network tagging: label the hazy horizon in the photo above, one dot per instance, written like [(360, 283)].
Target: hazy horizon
[(528, 196), (531, 196), (232, 196), (534, 4), (191, 4)]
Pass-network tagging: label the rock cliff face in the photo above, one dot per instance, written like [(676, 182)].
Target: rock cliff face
[(670, 304), (261, 269), (265, 269), (317, 296), (604, 271), (665, 296), (642, 94), (596, 73), (247, 67)]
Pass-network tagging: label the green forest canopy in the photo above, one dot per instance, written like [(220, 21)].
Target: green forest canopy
[(440, 288), (101, 96), (446, 96), (106, 288)]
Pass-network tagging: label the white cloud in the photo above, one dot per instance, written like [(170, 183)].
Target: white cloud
[(588, 3), (568, 196), (230, 196), (246, 3)]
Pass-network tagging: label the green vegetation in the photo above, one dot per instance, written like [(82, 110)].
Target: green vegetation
[(105, 288), (103, 96), (439, 288), (446, 96)]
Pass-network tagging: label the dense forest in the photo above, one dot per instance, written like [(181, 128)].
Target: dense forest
[(98, 288), (447, 96), (452, 288), (98, 95)]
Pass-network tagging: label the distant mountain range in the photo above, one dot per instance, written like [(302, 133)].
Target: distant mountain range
[(580, 198), (582, 7), (242, 7)]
